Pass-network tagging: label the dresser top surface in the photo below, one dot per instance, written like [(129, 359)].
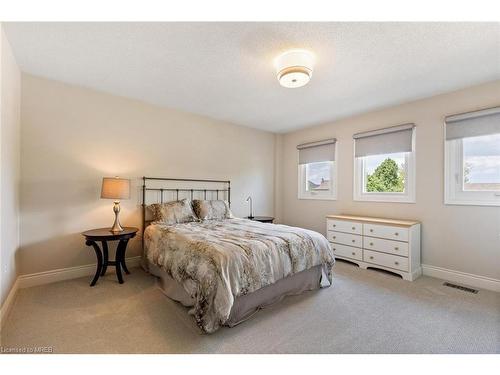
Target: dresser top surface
[(374, 220)]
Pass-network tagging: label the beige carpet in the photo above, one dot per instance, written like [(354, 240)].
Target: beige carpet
[(365, 311)]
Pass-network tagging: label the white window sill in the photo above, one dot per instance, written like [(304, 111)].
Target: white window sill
[(382, 199), (318, 198), (453, 202)]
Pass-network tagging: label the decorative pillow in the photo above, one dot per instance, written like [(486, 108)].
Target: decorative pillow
[(173, 212), (212, 210)]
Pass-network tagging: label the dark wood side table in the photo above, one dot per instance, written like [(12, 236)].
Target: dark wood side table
[(262, 219), (104, 235)]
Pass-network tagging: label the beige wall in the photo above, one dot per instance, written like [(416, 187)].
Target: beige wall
[(461, 238), (278, 178), (72, 137), (10, 106)]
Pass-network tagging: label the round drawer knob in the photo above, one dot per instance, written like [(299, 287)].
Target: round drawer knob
[(371, 230), (353, 240), (371, 243), (353, 253), (334, 249), (353, 228), (396, 263), (334, 225), (396, 234), (334, 237), (371, 257), (396, 248)]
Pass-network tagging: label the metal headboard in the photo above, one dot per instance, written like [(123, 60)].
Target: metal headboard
[(220, 193)]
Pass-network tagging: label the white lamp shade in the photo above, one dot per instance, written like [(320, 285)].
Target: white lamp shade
[(294, 68), (115, 188)]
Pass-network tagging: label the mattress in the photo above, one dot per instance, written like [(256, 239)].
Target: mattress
[(217, 261)]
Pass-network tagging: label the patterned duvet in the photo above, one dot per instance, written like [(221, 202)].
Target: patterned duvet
[(217, 261)]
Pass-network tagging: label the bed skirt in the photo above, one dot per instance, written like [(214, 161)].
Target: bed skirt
[(246, 306)]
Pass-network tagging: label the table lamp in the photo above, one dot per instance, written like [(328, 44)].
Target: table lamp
[(115, 188)]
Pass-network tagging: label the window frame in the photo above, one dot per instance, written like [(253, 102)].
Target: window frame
[(301, 175), (454, 194), (409, 196)]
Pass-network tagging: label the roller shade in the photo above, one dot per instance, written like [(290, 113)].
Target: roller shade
[(315, 152), (473, 124), (384, 141)]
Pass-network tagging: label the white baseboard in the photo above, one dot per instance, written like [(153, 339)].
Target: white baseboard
[(463, 278), (52, 276), (9, 301)]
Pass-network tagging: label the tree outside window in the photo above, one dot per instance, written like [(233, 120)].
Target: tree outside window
[(387, 177)]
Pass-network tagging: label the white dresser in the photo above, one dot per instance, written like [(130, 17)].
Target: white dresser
[(391, 245)]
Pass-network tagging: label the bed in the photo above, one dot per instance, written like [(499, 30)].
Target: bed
[(227, 268)]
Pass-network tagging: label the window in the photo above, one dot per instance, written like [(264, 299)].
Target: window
[(317, 174), (384, 168), (472, 158)]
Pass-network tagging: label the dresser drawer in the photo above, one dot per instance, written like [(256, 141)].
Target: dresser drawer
[(386, 246), (347, 251), (386, 231), (345, 238), (344, 226), (387, 260)]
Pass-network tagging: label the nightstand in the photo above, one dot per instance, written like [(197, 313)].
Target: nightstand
[(104, 235), (262, 219)]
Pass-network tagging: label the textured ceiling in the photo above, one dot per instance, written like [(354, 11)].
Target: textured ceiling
[(225, 70)]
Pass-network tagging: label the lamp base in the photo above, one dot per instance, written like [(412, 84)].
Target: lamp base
[(116, 228)]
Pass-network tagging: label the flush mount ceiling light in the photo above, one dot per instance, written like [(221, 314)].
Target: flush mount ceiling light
[(294, 68)]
